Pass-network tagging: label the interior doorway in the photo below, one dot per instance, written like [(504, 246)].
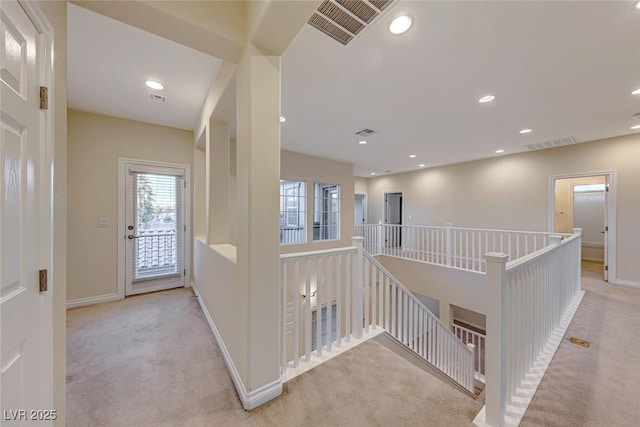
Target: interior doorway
[(360, 211), (393, 216), (583, 201)]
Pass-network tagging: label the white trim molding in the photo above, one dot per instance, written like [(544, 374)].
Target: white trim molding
[(250, 400), (81, 302), (627, 283)]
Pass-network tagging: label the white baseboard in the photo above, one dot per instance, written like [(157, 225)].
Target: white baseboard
[(250, 400), (81, 302), (628, 283)]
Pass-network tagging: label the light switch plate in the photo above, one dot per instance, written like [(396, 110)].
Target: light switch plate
[(104, 222)]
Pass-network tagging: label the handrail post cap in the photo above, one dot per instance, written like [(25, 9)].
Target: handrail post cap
[(496, 257)]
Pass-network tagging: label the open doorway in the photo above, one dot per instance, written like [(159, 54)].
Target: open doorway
[(393, 217), (584, 201), (360, 211)]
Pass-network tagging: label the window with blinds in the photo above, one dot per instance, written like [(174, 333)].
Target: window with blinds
[(293, 202), (326, 212), (323, 326), (158, 224)]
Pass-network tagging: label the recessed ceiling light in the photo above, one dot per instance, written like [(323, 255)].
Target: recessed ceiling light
[(283, 119), (412, 156), (373, 173), (526, 131), (362, 142), (637, 5), (421, 165), (487, 98), (154, 85), (637, 91), (499, 151), (400, 24), (635, 127)]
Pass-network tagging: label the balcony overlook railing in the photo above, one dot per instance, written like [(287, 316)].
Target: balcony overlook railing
[(156, 253)]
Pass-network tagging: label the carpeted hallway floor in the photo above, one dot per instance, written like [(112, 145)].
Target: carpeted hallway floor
[(151, 361), (600, 385)]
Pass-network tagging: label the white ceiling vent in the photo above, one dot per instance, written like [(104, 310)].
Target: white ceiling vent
[(366, 132), (553, 143), (157, 97), (342, 20)]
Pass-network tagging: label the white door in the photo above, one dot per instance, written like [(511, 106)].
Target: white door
[(155, 228), (25, 342)]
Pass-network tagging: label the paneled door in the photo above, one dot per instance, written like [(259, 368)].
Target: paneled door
[(26, 370), (155, 228)]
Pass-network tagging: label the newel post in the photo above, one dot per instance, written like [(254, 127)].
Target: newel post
[(447, 244), (496, 347), (356, 288), (472, 369), (380, 238)]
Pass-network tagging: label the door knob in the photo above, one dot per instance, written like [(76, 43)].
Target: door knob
[(131, 236)]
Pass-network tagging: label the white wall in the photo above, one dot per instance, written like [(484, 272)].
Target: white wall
[(95, 143), (512, 192)]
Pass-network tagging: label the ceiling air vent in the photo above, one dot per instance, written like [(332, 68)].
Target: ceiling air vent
[(342, 20), (366, 132), (157, 97), (553, 143)]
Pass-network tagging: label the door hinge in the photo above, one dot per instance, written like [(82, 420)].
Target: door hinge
[(606, 228), (43, 280), (184, 272), (606, 268), (185, 228), (44, 97)]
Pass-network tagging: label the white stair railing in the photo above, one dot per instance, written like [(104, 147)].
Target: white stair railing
[(320, 304), (451, 246), (335, 296), (390, 305), (530, 302), (478, 339)]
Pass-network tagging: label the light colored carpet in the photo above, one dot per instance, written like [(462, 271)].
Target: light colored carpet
[(599, 385), (151, 361)]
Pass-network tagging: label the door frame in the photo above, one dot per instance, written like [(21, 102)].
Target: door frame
[(123, 162), (610, 214)]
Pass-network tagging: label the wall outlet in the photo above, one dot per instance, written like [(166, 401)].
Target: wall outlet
[(104, 222)]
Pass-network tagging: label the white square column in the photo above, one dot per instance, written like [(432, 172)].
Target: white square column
[(258, 218)]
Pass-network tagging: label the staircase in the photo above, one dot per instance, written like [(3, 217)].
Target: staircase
[(365, 300)]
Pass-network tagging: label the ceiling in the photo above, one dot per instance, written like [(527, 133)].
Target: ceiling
[(108, 63), (563, 69)]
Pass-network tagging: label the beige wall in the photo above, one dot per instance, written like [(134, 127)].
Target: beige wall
[(360, 185), (312, 169), (56, 14), (512, 192), (95, 143)]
